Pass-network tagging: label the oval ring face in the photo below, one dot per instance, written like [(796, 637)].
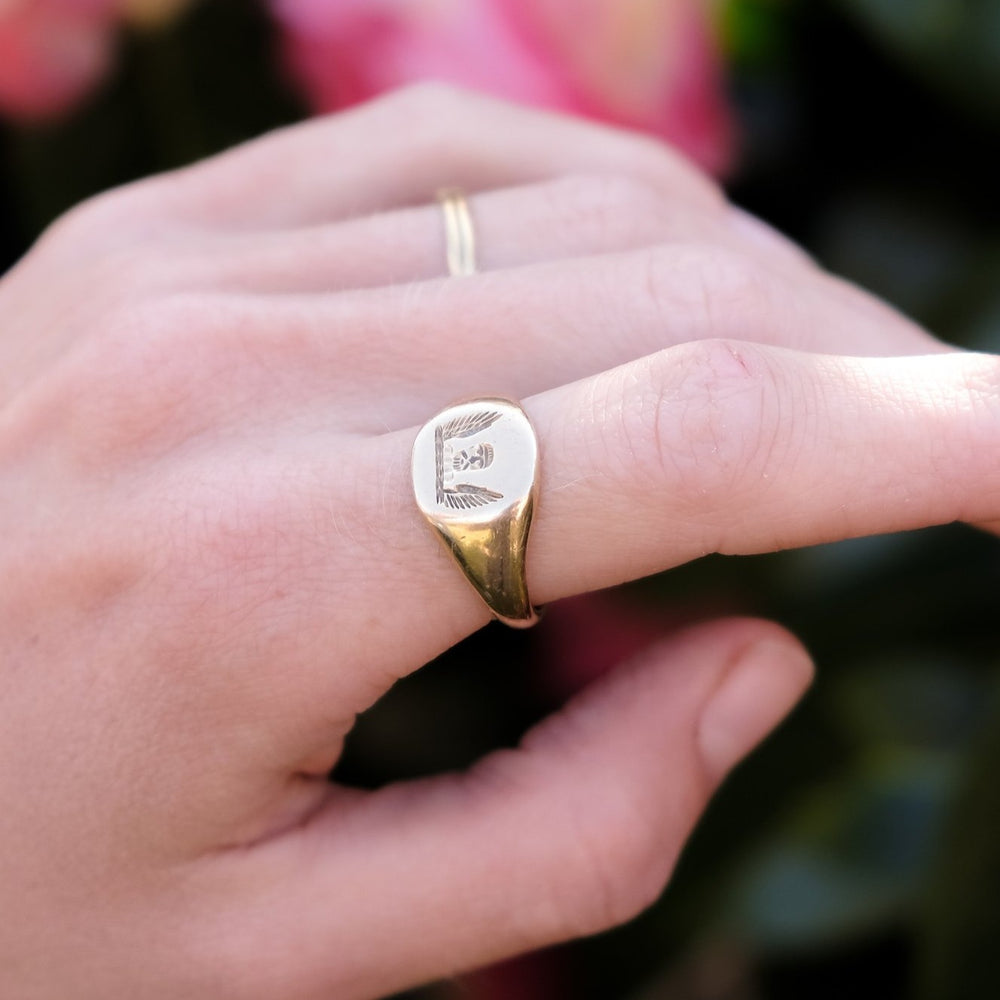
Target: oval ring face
[(473, 460), (475, 470)]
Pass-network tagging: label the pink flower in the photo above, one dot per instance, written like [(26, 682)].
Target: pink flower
[(584, 637), (649, 64), (539, 976), (52, 52)]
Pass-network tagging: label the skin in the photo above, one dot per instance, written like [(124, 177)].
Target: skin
[(209, 385)]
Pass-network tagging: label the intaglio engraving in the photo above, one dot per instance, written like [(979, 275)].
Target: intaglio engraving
[(449, 461)]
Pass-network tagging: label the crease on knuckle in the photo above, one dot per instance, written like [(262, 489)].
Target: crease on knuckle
[(610, 863), (240, 543), (693, 184), (139, 381), (605, 210), (86, 218), (702, 291), (619, 865), (106, 219), (698, 423), (426, 96), (433, 113), (604, 868)]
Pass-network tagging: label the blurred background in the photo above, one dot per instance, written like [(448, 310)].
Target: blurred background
[(857, 852)]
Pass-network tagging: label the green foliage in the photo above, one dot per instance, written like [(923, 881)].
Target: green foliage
[(960, 927), (954, 44), (853, 853), (755, 32)]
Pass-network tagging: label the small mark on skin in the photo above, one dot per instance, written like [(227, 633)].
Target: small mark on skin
[(737, 356)]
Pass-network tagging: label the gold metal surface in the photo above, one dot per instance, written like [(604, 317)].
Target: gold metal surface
[(460, 237), (475, 472)]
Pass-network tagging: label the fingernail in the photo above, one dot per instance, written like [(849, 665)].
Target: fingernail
[(758, 691)]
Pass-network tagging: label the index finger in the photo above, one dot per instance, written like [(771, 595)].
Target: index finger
[(721, 447)]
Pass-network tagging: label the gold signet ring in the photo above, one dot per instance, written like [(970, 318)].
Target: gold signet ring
[(475, 472)]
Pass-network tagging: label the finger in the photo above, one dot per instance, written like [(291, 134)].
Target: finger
[(575, 831), (711, 447), (373, 361), (522, 331), (737, 448), (707, 447), (401, 149), (571, 216)]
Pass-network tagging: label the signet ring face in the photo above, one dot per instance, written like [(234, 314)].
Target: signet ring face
[(475, 479)]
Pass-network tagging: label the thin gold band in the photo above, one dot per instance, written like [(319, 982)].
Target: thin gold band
[(460, 238)]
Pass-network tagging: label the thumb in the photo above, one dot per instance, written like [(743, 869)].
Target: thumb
[(574, 831)]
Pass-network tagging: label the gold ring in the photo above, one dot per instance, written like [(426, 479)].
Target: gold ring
[(460, 238), (475, 479)]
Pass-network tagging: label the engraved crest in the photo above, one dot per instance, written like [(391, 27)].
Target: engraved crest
[(449, 461), (479, 456)]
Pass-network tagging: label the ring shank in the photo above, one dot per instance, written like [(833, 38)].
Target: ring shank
[(492, 556)]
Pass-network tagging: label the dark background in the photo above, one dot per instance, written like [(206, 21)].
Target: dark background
[(858, 852)]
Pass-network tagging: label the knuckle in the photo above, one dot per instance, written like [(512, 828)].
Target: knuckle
[(430, 111), (602, 209), (87, 218), (707, 290), (103, 219), (428, 102), (621, 863), (118, 274), (153, 341), (601, 867), (699, 421), (674, 169), (139, 380), (244, 536), (244, 545), (738, 284), (441, 120)]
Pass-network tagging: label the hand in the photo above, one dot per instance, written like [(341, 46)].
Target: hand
[(209, 385)]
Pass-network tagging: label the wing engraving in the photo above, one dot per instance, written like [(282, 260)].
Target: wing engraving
[(471, 423), (466, 495)]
